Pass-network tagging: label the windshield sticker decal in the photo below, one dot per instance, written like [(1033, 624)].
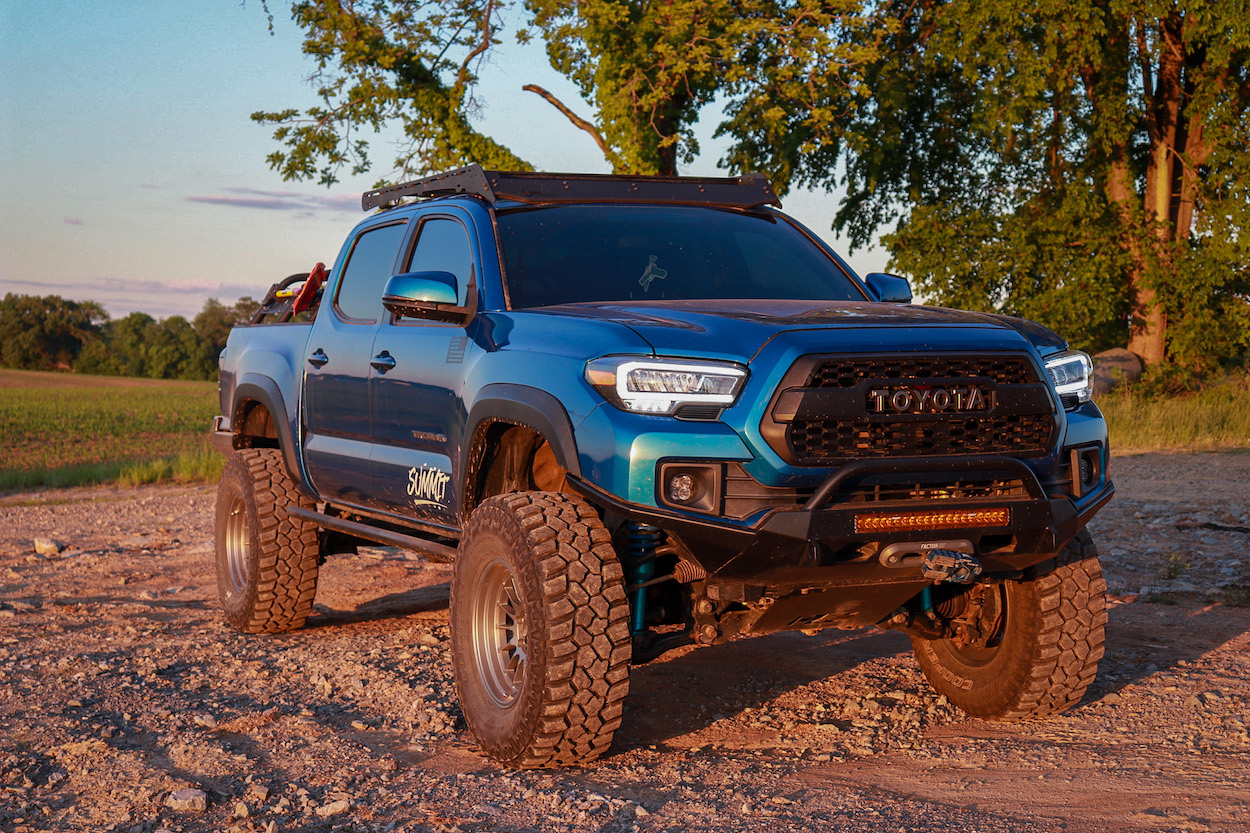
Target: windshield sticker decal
[(653, 272), (428, 486)]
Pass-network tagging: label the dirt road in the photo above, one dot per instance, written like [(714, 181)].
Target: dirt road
[(122, 693)]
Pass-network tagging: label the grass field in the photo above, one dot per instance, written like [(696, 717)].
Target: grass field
[(61, 429), (1214, 419)]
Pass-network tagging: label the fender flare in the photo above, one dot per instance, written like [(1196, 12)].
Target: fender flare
[(264, 391), (530, 407)]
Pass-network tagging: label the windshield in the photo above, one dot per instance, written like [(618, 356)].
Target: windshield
[(584, 253)]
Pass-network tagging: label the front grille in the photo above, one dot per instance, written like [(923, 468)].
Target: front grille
[(822, 415), (816, 442), (849, 372)]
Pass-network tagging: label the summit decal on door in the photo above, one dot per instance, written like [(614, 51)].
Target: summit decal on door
[(427, 486)]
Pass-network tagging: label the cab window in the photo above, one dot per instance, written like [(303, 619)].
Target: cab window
[(443, 246), (370, 264)]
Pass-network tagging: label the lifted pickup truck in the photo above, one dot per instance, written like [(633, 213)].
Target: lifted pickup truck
[(640, 412)]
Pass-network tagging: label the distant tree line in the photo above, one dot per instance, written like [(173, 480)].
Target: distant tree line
[(49, 332)]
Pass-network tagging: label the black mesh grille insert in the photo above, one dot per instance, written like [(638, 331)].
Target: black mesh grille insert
[(849, 372), (822, 412), (815, 442)]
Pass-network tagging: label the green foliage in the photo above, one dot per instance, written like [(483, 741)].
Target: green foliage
[(39, 333), (380, 61), (1085, 164), (1055, 261), (199, 465), (1154, 416), (1175, 567), (45, 333), (648, 68), (145, 472)]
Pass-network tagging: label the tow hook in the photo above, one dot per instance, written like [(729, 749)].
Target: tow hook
[(939, 561), (950, 566)]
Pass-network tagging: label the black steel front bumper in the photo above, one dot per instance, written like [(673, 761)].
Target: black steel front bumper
[(814, 558)]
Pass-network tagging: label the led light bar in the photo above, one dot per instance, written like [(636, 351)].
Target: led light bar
[(938, 519)]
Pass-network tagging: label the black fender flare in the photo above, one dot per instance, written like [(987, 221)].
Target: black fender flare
[(522, 405), (264, 391)]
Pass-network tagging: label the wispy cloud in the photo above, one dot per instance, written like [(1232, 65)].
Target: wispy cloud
[(278, 200), (251, 202), (121, 296)]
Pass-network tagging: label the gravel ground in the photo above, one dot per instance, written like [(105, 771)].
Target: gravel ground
[(126, 703)]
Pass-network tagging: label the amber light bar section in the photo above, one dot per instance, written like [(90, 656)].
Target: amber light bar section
[(940, 519)]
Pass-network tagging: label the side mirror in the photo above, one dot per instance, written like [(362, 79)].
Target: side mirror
[(430, 295), (890, 289)]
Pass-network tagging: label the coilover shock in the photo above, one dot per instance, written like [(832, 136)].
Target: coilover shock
[(641, 542)]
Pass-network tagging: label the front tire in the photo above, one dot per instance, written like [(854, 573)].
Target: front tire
[(540, 631), (1049, 638), (267, 562)]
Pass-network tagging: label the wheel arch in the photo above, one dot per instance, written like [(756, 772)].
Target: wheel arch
[(507, 427), (259, 419)]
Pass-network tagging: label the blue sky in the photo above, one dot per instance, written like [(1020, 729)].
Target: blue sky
[(131, 174)]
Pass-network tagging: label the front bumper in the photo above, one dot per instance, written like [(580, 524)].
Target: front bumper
[(220, 437), (813, 564)]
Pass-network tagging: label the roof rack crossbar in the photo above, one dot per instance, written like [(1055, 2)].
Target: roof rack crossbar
[(748, 191)]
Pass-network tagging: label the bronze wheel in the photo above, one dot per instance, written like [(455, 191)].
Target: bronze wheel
[(267, 562), (540, 630)]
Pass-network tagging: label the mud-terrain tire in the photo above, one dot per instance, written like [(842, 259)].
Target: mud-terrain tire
[(1051, 635), (539, 631), (266, 561)]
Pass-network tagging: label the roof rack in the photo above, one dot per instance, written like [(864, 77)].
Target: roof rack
[(747, 191)]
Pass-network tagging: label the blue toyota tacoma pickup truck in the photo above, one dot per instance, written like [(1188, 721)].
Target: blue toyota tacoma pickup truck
[(637, 413)]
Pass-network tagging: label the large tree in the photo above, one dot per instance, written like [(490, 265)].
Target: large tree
[(1082, 163), (46, 332), (645, 70)]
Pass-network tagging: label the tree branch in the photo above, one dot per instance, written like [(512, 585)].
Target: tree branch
[(487, 34), (573, 117)]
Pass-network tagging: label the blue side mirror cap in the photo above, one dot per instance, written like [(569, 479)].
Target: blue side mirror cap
[(890, 289), (403, 291)]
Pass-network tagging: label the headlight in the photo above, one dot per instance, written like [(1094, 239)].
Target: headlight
[(661, 386), (1072, 373)]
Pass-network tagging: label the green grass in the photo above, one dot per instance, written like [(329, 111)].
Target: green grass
[(65, 429), (1216, 418)]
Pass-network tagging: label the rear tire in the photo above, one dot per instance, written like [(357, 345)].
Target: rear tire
[(540, 631), (1051, 633), (267, 562)]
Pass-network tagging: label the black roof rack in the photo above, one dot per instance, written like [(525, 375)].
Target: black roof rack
[(746, 191)]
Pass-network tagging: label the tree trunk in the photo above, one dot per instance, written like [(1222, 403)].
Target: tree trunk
[(1148, 327), (1148, 322)]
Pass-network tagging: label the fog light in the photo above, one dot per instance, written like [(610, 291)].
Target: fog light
[(681, 488), (689, 486), (1086, 464), (1090, 468), (921, 521)]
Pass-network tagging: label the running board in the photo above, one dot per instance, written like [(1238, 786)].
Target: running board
[(432, 551)]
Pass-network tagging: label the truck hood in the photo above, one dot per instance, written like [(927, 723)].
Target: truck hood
[(733, 328)]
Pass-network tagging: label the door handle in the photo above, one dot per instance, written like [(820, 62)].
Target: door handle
[(318, 358), (382, 362)]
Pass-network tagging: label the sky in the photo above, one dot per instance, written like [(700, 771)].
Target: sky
[(132, 175)]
